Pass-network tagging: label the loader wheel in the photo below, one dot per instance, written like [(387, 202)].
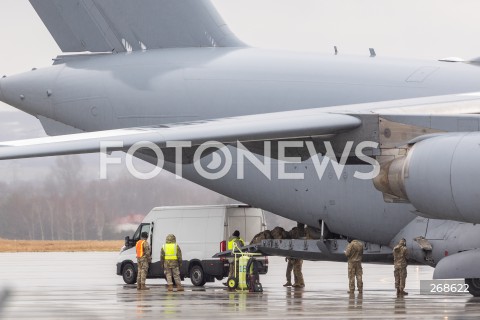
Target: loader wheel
[(232, 283)]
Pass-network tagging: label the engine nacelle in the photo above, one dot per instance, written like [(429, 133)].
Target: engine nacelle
[(440, 176)]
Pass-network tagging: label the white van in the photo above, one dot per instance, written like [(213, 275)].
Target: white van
[(201, 232)]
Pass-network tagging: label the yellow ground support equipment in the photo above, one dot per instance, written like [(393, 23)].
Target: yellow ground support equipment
[(239, 280)]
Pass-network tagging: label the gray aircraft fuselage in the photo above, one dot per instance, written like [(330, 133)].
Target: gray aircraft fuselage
[(175, 85)]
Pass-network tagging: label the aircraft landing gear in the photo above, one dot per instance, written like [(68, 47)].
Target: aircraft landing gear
[(473, 286)]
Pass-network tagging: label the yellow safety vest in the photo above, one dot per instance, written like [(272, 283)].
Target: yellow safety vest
[(170, 250), (230, 243), (139, 247)]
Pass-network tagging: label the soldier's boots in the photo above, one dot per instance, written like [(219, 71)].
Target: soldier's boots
[(141, 286), (288, 284), (298, 285), (170, 287), (180, 288), (401, 292)]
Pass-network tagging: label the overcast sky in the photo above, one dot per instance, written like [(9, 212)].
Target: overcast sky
[(425, 29)]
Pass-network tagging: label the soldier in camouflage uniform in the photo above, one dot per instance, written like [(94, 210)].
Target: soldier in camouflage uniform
[(171, 258), (354, 253), (144, 257), (400, 266), (296, 266)]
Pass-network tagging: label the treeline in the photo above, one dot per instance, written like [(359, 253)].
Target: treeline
[(69, 205)]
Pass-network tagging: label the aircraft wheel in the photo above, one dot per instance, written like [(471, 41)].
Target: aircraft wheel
[(232, 283), (473, 286), (128, 273)]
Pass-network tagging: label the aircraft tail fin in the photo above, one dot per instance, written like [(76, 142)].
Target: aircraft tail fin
[(129, 25)]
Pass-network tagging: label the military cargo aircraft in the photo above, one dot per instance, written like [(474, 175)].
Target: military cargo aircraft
[(371, 148)]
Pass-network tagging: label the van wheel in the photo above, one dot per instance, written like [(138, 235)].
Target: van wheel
[(197, 276), (129, 275), (473, 286)]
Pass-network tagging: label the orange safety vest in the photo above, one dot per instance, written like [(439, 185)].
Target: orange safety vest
[(139, 246)]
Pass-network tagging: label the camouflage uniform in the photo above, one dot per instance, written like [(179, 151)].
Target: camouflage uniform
[(354, 253), (142, 264), (172, 267), (400, 266), (296, 266)]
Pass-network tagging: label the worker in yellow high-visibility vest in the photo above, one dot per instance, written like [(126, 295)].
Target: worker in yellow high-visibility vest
[(171, 258), (143, 259), (234, 238)]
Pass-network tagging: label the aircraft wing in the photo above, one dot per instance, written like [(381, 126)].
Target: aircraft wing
[(124, 25), (270, 126)]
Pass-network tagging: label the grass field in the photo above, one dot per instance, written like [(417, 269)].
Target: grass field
[(58, 246)]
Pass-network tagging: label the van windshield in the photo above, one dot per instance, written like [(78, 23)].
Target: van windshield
[(145, 227)]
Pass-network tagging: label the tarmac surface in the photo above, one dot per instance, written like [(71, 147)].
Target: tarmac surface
[(85, 286)]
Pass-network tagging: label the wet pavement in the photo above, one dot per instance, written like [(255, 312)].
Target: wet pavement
[(85, 286)]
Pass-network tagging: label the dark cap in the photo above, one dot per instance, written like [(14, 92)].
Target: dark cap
[(236, 233), (144, 235)]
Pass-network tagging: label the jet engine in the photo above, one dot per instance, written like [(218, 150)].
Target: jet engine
[(439, 176)]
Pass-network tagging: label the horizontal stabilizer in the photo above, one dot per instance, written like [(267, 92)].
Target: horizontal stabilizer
[(128, 25), (271, 126)]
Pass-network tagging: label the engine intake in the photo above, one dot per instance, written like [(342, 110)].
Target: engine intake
[(439, 176)]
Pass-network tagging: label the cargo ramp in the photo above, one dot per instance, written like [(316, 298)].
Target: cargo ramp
[(315, 250)]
